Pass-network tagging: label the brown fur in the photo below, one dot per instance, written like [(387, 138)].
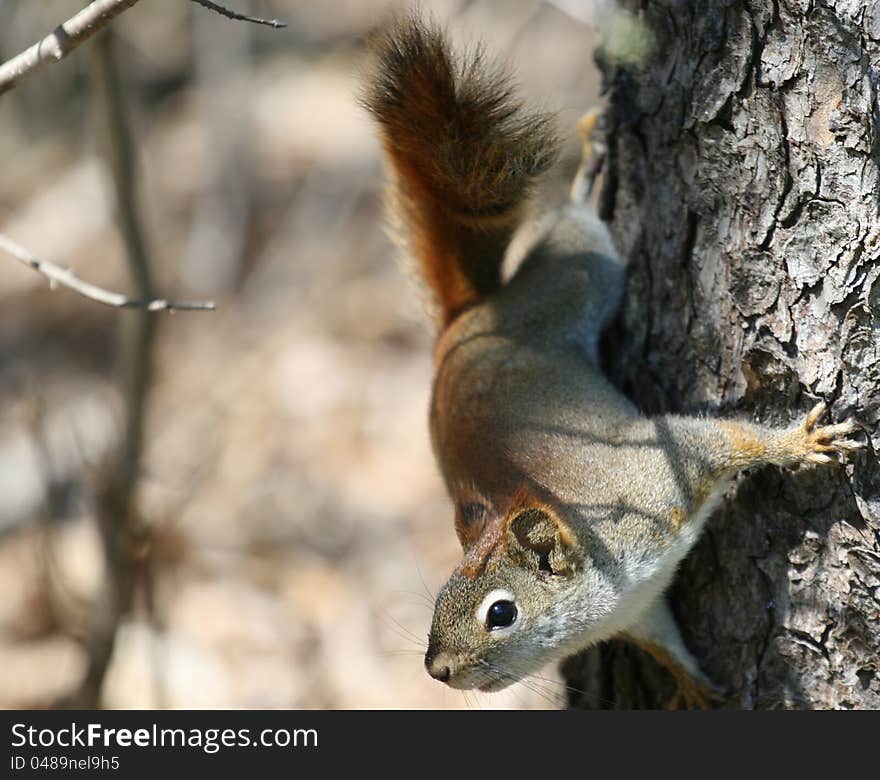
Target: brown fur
[(472, 512), (477, 556), (463, 156)]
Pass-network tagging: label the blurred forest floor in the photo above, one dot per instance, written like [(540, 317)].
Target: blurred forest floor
[(298, 524)]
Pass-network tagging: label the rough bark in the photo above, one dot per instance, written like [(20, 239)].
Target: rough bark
[(742, 183)]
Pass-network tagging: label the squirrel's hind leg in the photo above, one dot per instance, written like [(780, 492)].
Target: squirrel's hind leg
[(592, 155), (568, 274), (657, 634), (565, 274)]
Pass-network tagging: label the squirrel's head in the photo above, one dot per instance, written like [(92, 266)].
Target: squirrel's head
[(504, 612)]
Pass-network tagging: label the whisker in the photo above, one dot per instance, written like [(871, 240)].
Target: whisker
[(422, 598), (559, 682), (552, 691), (581, 691), (549, 692), (402, 631), (432, 597), (525, 682), (393, 653), (552, 697)]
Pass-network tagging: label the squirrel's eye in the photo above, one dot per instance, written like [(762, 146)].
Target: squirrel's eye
[(501, 615)]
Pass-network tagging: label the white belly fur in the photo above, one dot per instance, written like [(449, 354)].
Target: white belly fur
[(651, 578)]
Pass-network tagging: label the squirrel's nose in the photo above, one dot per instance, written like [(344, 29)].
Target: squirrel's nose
[(439, 672), (438, 666)]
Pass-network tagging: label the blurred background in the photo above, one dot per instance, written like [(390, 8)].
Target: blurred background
[(287, 526)]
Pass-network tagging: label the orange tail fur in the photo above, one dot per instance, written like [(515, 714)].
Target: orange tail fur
[(462, 155)]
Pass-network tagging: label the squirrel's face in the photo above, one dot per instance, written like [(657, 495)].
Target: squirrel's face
[(502, 614)]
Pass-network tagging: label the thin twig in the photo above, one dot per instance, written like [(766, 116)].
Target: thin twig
[(239, 17), (123, 532), (61, 41), (70, 34), (59, 275)]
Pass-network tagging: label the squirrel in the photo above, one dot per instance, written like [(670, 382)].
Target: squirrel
[(573, 509)]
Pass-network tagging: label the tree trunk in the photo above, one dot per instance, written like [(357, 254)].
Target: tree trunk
[(742, 183)]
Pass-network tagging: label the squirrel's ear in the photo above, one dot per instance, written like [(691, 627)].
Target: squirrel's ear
[(537, 538)]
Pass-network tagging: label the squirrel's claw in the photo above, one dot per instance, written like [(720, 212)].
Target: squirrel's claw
[(816, 414), (818, 440)]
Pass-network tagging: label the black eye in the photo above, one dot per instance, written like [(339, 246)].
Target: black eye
[(501, 615)]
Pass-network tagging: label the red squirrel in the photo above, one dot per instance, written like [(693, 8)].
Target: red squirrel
[(573, 509)]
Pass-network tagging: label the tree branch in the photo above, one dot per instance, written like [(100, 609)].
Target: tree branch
[(61, 41), (94, 17), (59, 275), (237, 16)]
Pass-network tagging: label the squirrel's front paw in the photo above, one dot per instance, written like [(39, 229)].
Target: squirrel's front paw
[(813, 443)]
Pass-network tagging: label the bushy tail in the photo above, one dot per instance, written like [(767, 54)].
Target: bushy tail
[(462, 154)]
